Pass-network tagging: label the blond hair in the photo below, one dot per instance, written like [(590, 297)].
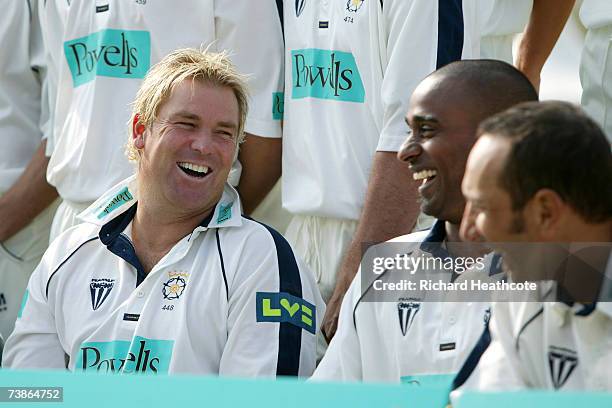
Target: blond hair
[(187, 63)]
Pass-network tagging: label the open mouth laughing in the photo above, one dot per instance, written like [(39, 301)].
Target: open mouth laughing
[(194, 170)]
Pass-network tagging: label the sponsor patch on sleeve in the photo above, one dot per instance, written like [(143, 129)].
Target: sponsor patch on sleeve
[(23, 303), (283, 307), (278, 105)]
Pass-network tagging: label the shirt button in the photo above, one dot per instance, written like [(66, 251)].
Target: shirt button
[(140, 293)]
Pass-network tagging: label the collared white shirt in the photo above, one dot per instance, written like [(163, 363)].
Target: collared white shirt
[(23, 75), (410, 340), (350, 69), (106, 50), (546, 345), (230, 298)]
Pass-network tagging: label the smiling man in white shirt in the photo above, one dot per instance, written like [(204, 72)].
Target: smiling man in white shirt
[(166, 275)]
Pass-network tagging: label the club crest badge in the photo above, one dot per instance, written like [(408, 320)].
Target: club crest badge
[(100, 289), (299, 7), (354, 5), (174, 287), (562, 363), (407, 310)]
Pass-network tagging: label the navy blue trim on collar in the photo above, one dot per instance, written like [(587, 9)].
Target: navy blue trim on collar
[(119, 244), (206, 221), (432, 244)]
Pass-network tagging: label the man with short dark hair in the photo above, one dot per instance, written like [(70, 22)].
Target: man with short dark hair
[(541, 175), (411, 338)]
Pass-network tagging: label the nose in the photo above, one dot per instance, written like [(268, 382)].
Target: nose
[(409, 151), (468, 231), (201, 142)]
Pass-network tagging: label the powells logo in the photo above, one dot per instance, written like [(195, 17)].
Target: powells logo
[(283, 307), (142, 355), (121, 198), (326, 74), (111, 53)]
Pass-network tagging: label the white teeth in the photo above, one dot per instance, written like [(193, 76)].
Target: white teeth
[(424, 174), (193, 167)]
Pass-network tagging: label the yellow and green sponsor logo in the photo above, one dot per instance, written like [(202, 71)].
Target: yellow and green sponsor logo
[(283, 307)]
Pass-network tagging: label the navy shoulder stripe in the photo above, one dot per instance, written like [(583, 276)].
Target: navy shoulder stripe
[(63, 262), (450, 31), (472, 361), (279, 7), (289, 336)]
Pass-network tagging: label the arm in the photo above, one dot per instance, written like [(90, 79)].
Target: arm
[(391, 206), (390, 209), (31, 188), (271, 327), (251, 32), (342, 360), (261, 168), (547, 20)]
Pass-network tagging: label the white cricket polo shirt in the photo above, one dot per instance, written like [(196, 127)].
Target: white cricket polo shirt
[(230, 298), (22, 78), (596, 13), (411, 340), (350, 69), (547, 345), (504, 17), (108, 47)]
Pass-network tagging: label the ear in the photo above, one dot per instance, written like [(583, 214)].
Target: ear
[(138, 130), (547, 209)]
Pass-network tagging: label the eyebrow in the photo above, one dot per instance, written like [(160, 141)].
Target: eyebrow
[(193, 116), (424, 118), (185, 115)]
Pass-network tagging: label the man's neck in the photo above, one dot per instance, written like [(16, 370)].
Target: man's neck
[(155, 233)]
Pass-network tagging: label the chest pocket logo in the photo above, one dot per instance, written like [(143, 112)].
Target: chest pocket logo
[(562, 362), (407, 310)]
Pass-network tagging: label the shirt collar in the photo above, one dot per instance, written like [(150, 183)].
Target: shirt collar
[(108, 211), (432, 244)]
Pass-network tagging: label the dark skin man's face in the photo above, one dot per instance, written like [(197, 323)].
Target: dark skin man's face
[(443, 132)]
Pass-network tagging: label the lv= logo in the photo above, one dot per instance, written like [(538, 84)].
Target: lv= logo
[(283, 307)]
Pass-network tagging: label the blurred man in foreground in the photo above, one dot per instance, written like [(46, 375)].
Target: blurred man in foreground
[(541, 175)]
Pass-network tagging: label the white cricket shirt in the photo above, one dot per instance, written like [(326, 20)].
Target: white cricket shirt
[(109, 46), (596, 13), (350, 69), (22, 84), (411, 340), (230, 298), (547, 345)]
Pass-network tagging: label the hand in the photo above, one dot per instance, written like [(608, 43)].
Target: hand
[(332, 313)]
